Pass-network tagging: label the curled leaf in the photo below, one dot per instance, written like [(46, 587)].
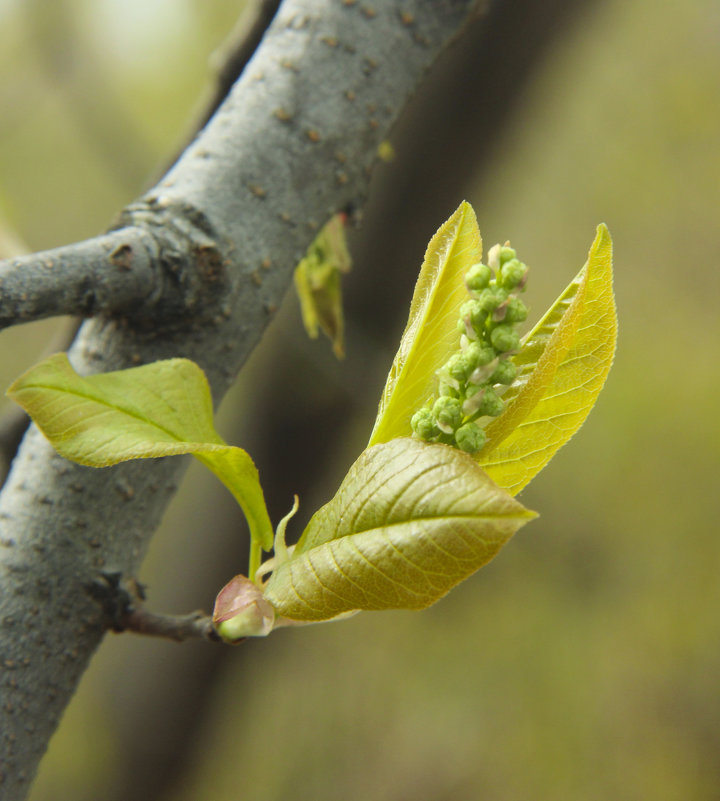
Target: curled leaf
[(410, 521), (563, 364), (318, 284), (158, 409)]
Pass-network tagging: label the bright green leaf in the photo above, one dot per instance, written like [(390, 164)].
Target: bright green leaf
[(563, 364), (158, 409), (431, 334), (410, 521)]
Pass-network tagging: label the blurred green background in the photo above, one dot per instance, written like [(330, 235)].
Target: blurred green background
[(583, 663)]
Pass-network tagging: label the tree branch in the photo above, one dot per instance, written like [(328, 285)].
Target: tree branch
[(292, 144), (231, 58), (116, 273), (196, 625), (123, 601)]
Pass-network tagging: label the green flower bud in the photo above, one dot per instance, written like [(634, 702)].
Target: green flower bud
[(491, 403), (478, 277), (505, 373), (470, 437), (505, 338), (445, 390), (478, 354), (423, 424), (473, 398), (512, 274), (506, 254), (489, 299), (475, 312), (515, 310), (448, 414), (457, 367)]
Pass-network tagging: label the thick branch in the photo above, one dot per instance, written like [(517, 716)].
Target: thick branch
[(231, 59), (292, 144)]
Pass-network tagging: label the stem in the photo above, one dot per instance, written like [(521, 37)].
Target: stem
[(255, 559)]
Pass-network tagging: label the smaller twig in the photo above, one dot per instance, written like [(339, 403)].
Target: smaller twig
[(196, 625), (122, 599), (111, 273)]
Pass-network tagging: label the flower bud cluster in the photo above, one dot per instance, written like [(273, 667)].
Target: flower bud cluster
[(471, 380)]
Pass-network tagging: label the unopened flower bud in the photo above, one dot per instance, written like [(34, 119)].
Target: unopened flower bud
[(478, 354), (489, 299), (423, 424), (447, 413), (512, 274), (470, 437), (475, 312), (505, 338), (515, 310), (491, 403), (478, 277), (505, 373), (506, 254), (457, 367)]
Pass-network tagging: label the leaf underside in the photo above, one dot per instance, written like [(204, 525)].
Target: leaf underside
[(158, 409), (410, 521)]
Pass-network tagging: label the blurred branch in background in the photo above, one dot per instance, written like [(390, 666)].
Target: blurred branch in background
[(73, 69)]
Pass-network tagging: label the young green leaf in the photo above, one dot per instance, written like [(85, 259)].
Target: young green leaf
[(431, 335), (158, 409), (562, 366), (410, 521)]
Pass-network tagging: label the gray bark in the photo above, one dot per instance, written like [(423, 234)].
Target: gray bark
[(213, 246)]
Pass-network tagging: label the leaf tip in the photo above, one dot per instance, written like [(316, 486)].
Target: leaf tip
[(603, 241)]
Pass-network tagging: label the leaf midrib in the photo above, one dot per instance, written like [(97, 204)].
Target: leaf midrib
[(110, 406), (425, 519)]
